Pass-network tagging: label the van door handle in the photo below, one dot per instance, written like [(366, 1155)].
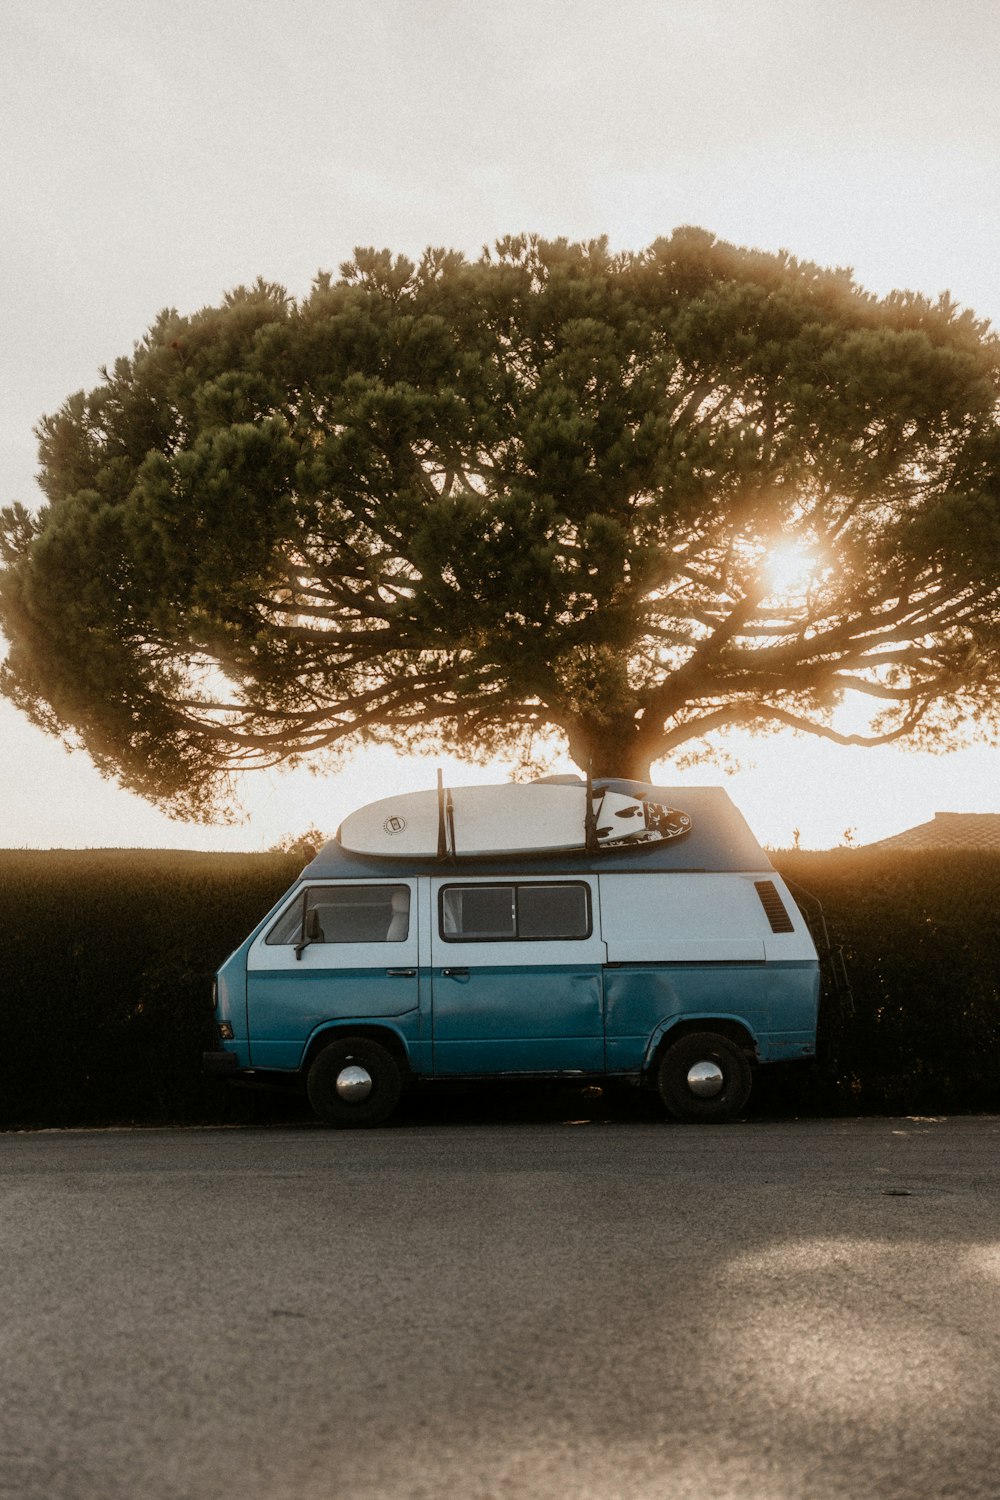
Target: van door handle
[(456, 973), (402, 973)]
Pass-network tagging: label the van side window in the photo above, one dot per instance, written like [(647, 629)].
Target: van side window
[(348, 914), (553, 911), (478, 911), (499, 913)]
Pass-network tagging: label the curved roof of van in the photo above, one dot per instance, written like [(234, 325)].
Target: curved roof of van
[(719, 840)]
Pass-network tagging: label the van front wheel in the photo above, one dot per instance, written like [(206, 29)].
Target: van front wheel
[(704, 1077), (354, 1082)]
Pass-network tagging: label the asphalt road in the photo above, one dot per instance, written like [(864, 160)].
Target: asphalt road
[(623, 1309)]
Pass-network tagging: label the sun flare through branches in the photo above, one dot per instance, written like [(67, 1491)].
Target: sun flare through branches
[(791, 569)]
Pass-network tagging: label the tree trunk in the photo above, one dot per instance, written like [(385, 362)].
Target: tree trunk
[(609, 750)]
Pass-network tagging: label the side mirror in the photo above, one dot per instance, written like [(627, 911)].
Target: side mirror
[(311, 932)]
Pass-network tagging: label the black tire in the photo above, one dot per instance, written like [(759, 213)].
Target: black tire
[(383, 1069), (704, 1047)]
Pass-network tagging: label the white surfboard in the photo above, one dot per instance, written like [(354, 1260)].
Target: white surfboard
[(505, 819)]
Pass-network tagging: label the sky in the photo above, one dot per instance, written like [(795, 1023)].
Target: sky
[(156, 153)]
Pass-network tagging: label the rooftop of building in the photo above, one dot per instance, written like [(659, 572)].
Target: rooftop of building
[(948, 830)]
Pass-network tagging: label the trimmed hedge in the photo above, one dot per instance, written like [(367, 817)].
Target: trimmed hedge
[(920, 938), (107, 959), (107, 956)]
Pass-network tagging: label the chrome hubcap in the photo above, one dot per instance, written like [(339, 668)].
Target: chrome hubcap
[(705, 1079), (354, 1084)]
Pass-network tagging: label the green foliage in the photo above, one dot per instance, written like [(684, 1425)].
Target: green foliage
[(107, 958), (919, 938), (462, 504), (301, 846)]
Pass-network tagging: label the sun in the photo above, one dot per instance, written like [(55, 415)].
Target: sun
[(789, 568)]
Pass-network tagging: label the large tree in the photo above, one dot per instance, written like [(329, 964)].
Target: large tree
[(627, 499)]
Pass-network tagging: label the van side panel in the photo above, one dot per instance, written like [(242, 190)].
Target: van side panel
[(288, 1008), (693, 945), (795, 990), (664, 917), (506, 1019), (639, 1000)]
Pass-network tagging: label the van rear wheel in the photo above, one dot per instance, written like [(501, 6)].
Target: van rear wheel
[(704, 1077), (354, 1082)]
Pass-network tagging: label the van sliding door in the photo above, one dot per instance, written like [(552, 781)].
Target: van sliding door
[(517, 975)]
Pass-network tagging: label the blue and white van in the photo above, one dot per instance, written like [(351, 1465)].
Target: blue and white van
[(664, 950)]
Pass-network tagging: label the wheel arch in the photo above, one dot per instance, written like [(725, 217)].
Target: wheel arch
[(386, 1036), (731, 1027)]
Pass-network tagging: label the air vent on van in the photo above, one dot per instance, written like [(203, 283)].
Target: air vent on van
[(773, 906)]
